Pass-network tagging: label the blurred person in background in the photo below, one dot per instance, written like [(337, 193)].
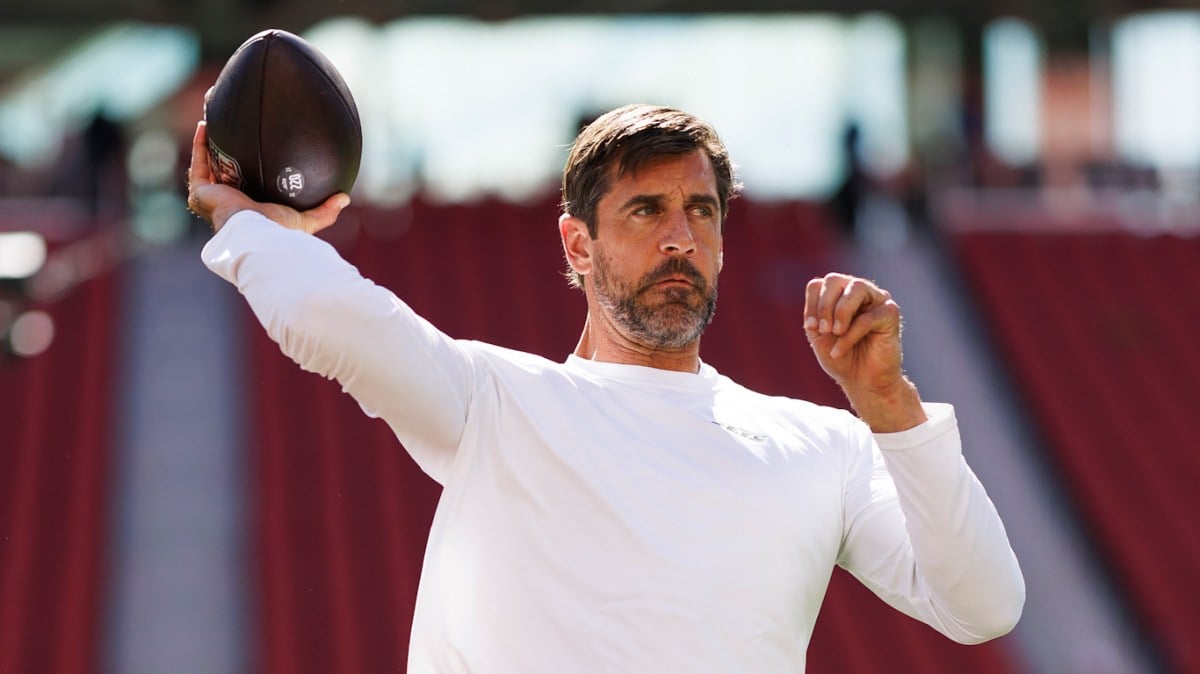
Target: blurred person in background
[(92, 169)]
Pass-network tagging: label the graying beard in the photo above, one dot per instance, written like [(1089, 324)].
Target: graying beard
[(649, 325)]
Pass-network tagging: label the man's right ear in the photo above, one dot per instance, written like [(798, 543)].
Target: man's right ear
[(577, 243)]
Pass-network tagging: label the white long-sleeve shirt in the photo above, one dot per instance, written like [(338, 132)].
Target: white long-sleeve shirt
[(615, 518)]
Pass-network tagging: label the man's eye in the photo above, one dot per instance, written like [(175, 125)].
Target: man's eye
[(704, 211), (646, 210)]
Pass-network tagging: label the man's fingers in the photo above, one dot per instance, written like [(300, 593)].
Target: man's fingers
[(880, 319), (821, 295), (812, 296), (859, 295), (846, 308), (831, 302), (327, 213), (217, 202), (198, 170), (831, 294), (199, 173)]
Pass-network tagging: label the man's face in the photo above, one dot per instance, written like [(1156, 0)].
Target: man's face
[(658, 251)]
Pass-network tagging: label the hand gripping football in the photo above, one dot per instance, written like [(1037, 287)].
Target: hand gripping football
[(282, 125)]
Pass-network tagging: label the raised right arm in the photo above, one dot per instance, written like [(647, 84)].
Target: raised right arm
[(330, 320)]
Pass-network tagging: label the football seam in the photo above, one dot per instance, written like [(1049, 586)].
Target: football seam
[(352, 109), (262, 93)]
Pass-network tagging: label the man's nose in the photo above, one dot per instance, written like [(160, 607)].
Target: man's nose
[(677, 238)]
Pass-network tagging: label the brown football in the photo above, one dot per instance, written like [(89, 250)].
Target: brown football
[(282, 124)]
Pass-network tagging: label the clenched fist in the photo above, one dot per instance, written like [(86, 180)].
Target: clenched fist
[(853, 327)]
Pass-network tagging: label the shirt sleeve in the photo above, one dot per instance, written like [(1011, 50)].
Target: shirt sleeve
[(923, 535), (330, 320)]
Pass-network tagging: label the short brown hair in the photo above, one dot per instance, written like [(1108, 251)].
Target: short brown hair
[(626, 138)]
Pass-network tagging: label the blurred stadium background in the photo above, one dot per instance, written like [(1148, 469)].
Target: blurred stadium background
[(177, 497)]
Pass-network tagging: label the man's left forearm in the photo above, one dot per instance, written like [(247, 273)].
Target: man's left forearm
[(890, 410)]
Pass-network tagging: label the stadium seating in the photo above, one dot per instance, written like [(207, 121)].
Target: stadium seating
[(56, 414), (1099, 332), (340, 514)]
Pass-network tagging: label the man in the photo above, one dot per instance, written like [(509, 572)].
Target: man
[(630, 509)]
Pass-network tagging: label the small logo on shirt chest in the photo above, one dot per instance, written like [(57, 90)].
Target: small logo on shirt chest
[(749, 435)]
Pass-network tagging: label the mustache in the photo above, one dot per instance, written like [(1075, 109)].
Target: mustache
[(675, 266)]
